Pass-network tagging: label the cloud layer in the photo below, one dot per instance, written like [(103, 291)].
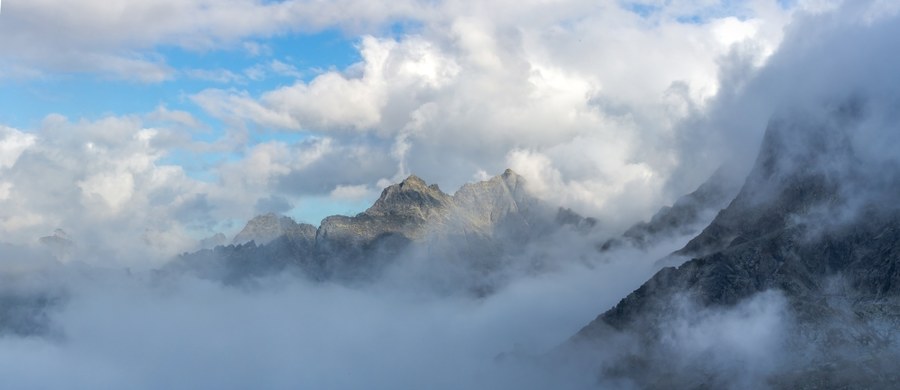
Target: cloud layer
[(587, 100)]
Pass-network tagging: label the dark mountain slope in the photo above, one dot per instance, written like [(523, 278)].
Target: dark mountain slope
[(812, 223)]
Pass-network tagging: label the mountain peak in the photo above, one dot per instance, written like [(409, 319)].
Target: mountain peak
[(801, 165), (413, 180), (267, 227), (412, 196), (511, 178)]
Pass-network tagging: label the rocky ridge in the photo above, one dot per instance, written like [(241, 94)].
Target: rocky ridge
[(481, 224), (265, 228)]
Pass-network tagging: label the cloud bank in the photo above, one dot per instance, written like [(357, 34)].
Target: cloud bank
[(587, 100)]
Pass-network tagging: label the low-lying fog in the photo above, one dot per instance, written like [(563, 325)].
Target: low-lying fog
[(110, 328)]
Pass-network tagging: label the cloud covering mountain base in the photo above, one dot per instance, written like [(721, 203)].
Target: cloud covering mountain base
[(110, 329)]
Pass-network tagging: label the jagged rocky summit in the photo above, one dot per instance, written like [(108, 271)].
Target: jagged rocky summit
[(266, 228), (812, 223), (483, 225)]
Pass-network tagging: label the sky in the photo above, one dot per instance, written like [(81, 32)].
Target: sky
[(152, 124)]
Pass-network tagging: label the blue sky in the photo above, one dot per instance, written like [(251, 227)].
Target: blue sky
[(91, 96)]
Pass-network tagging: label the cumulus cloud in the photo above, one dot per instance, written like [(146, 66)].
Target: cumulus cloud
[(109, 183), (822, 63), (603, 109), (12, 144), (584, 99), (591, 92), (102, 174)]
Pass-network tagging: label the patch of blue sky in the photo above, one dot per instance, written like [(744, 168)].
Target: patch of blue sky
[(284, 60), (401, 28), (720, 9), (90, 96), (787, 4), (329, 49), (281, 61), (76, 96), (691, 19), (642, 9), (314, 209)]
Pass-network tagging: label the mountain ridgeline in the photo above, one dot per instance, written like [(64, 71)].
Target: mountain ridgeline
[(479, 229)]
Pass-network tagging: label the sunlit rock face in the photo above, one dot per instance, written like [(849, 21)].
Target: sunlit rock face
[(811, 223)]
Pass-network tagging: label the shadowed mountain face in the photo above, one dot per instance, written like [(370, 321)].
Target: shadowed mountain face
[(801, 166), (813, 224), (476, 230)]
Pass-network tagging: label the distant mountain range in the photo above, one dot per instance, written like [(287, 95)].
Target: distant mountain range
[(481, 231), (478, 228)]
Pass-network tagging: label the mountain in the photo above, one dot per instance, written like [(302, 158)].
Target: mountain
[(264, 229), (813, 223), (59, 244), (476, 231), (686, 216), (213, 241)]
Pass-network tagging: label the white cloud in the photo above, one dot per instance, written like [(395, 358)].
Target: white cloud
[(5, 188), (223, 76), (587, 100), (103, 182), (356, 192), (183, 118), (114, 188), (284, 69), (117, 37), (350, 101), (12, 143), (594, 89)]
